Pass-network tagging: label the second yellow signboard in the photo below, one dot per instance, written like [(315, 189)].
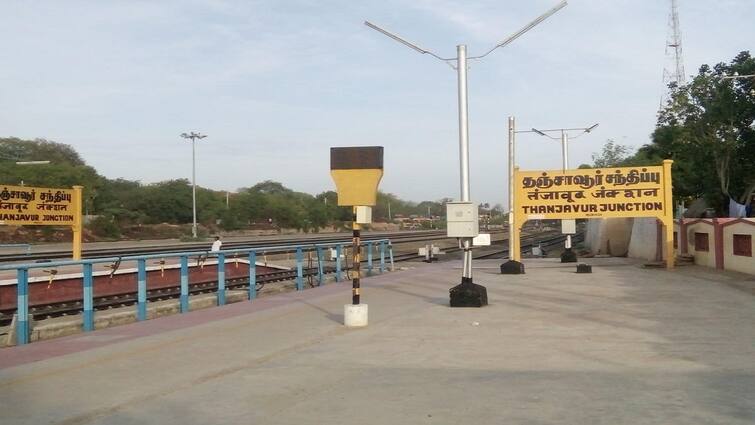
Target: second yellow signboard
[(23, 205)]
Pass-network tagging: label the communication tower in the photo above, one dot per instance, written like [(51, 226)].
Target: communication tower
[(673, 70)]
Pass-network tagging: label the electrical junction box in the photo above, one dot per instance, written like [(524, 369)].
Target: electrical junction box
[(483, 239), (364, 215), (569, 227), (462, 220), (434, 250), (334, 254)]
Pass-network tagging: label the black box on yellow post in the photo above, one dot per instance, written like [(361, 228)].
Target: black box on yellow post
[(357, 172)]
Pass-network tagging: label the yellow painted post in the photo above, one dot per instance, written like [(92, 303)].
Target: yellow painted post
[(517, 256), (668, 219), (519, 220), (77, 222)]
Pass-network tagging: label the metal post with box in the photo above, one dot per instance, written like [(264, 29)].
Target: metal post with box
[(357, 172), (463, 222)]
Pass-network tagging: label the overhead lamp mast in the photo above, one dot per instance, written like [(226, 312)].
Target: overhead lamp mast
[(467, 294)]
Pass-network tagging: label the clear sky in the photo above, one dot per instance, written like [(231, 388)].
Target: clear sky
[(274, 84)]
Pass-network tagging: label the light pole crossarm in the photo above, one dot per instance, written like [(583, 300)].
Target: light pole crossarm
[(407, 43), (524, 29), (585, 129), (561, 130)]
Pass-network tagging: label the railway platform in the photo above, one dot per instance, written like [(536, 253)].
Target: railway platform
[(623, 345)]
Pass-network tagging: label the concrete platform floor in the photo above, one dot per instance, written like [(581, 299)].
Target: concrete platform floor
[(624, 345)]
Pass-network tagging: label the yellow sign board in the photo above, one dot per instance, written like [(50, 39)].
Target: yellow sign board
[(594, 193), (23, 205), (591, 193), (357, 171)]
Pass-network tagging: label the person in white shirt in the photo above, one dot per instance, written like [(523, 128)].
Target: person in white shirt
[(216, 245)]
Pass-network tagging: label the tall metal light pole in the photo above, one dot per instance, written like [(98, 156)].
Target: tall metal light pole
[(513, 265), (193, 136), (567, 256), (461, 68)]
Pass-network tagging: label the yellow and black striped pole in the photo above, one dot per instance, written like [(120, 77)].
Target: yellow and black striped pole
[(357, 258)]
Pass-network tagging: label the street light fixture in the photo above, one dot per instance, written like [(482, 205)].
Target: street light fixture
[(736, 76), (17, 160), (534, 130), (193, 136), (32, 162), (567, 256), (473, 295)]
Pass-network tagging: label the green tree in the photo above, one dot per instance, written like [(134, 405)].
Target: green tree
[(15, 149), (706, 127), (167, 202), (612, 155), (121, 202)]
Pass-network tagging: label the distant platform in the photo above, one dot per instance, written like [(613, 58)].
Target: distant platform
[(623, 345)]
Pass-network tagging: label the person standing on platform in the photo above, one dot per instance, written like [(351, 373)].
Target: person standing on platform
[(216, 245)]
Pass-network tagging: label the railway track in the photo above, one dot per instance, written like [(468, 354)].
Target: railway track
[(530, 241), (527, 243), (47, 311), (40, 312), (396, 237)]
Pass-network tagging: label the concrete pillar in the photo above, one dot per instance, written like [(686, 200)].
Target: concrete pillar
[(718, 243)]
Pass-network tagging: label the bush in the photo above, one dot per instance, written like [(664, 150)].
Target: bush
[(229, 221), (105, 226)]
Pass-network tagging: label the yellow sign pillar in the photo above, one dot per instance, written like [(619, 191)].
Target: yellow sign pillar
[(77, 226), (515, 228), (517, 234), (668, 217)]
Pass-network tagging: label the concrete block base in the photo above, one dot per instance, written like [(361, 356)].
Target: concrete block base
[(11, 336), (512, 267), (468, 294), (355, 316), (568, 256)]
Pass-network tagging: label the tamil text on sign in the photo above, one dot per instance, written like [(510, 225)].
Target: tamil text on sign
[(23, 205), (592, 193)]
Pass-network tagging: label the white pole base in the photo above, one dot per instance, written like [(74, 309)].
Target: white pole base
[(355, 316)]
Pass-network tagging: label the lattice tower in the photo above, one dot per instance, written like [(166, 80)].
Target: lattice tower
[(675, 72)]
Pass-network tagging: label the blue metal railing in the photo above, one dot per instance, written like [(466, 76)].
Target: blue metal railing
[(22, 274)]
